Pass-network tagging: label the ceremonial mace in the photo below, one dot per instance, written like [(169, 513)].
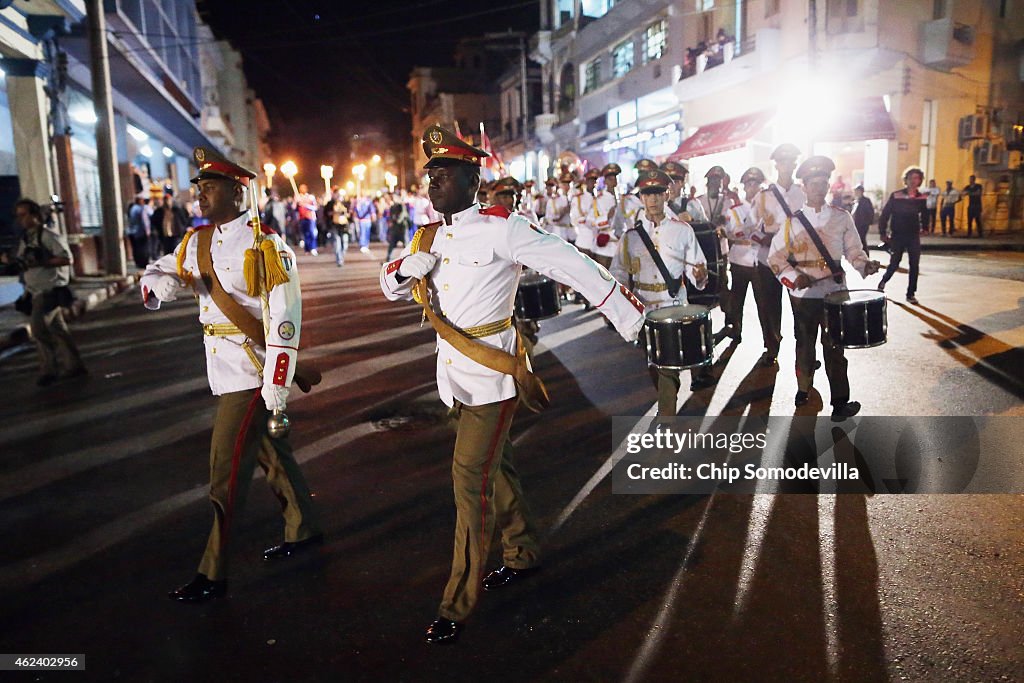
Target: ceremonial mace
[(278, 424)]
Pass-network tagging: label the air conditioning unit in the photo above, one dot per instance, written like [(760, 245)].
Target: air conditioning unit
[(974, 127), (981, 154)]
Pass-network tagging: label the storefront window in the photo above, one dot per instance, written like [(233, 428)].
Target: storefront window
[(622, 58), (654, 41)]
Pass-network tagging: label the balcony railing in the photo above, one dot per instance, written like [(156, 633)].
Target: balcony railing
[(701, 58)]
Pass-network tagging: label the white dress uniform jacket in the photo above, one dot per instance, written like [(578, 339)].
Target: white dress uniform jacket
[(228, 365), (582, 210), (557, 220), (679, 249), (770, 215), (480, 260), (840, 237), (740, 224), (599, 220)]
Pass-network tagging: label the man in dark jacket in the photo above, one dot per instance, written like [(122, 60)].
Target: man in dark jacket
[(863, 215), (170, 222), (901, 221)]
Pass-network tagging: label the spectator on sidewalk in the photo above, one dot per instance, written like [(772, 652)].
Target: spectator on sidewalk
[(863, 215), (274, 212), (307, 207), (138, 232), (365, 215), (45, 262), (950, 198), (974, 192), (170, 221), (932, 202)]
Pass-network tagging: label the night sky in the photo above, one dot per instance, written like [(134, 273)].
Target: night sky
[(329, 69)]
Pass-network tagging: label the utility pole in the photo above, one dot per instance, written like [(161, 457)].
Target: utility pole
[(110, 188), (520, 45)]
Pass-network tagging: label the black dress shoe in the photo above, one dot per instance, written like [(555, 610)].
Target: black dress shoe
[(801, 398), (503, 576), (199, 589), (289, 548), (442, 631), (703, 383), (845, 410)]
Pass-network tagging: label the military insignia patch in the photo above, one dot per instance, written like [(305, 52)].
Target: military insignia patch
[(435, 137), (440, 150), (286, 329), (652, 174), (286, 260), (200, 154)]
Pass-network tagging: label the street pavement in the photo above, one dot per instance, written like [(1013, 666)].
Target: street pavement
[(103, 509)]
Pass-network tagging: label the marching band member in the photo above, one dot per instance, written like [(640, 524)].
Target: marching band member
[(739, 225), (677, 172), (676, 244), (250, 371), (711, 207), (805, 271), (465, 272), (772, 209)]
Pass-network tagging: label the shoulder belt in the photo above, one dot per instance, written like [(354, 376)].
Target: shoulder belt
[(837, 272), (532, 392), (251, 327), (673, 283), (782, 200)]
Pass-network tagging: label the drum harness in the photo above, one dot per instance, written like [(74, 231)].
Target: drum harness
[(674, 283)]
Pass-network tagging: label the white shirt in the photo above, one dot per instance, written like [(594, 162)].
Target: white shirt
[(770, 215), (228, 366), (480, 259), (599, 221), (840, 237), (557, 220), (42, 279), (678, 247), (739, 225), (582, 209)]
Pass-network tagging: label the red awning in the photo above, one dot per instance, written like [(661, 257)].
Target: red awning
[(722, 136), (864, 119)]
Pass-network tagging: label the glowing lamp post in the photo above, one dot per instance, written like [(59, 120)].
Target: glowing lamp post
[(289, 169), (268, 171), (359, 171), (327, 172)]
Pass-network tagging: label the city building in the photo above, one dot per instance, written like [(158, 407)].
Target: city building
[(165, 104)]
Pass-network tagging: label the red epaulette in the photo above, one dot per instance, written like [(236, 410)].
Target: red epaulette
[(499, 211), (266, 230)]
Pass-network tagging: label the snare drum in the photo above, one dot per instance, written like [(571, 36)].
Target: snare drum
[(537, 298), (711, 246), (856, 319), (679, 337)]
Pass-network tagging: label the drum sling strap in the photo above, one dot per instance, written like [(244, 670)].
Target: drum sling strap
[(305, 376), (532, 392), (837, 272), (674, 283)]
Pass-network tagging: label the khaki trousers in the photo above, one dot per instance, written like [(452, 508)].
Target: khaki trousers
[(808, 319), (768, 297), (241, 422), (488, 495), (668, 382)]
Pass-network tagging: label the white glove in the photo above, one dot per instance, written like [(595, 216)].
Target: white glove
[(166, 288), (417, 265), (276, 397), (633, 332)]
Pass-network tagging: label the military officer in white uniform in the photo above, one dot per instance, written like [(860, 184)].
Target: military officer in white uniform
[(583, 212), (249, 379), (557, 218), (771, 216), (803, 270), (633, 263), (473, 269), (677, 172), (739, 226)]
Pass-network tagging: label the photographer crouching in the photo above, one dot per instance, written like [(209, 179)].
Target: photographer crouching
[(43, 259)]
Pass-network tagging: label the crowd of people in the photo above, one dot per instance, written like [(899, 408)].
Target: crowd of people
[(339, 220)]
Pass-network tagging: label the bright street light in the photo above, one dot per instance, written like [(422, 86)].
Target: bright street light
[(375, 159)]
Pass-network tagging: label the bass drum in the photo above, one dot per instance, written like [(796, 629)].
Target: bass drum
[(856, 318), (537, 298), (679, 337), (711, 246)]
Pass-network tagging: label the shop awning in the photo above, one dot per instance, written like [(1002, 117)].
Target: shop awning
[(864, 119), (722, 136)]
